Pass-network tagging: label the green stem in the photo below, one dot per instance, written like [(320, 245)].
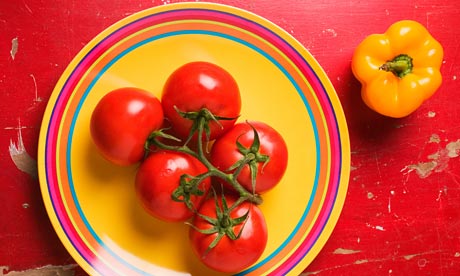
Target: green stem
[(201, 156), (182, 149), (400, 66), (227, 177), (247, 159)]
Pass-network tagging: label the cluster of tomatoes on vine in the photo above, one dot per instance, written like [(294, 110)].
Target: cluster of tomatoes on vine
[(197, 163)]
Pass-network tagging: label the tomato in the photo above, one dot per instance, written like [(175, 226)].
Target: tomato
[(225, 153), (157, 179), (229, 255), (121, 123), (198, 85)]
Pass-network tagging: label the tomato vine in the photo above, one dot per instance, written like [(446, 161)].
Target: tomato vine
[(201, 119)]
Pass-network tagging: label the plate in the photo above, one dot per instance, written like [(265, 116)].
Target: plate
[(92, 204)]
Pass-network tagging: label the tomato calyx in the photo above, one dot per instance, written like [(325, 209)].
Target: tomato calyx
[(251, 157), (188, 187), (223, 224), (201, 120)]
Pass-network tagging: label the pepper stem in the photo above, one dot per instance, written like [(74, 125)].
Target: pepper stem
[(400, 66)]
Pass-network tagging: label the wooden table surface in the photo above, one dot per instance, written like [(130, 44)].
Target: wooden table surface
[(401, 215)]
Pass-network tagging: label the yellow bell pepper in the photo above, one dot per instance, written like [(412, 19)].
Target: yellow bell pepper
[(399, 69)]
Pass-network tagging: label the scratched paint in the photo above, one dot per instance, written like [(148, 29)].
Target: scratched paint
[(330, 31), (37, 98), (411, 256), (376, 227), (21, 158), (438, 161), (49, 270), (435, 139), (14, 47), (370, 195), (420, 258), (343, 251)]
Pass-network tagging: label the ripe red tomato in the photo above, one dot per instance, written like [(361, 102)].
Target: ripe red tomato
[(229, 256), (198, 85), (225, 153), (121, 123), (159, 176)]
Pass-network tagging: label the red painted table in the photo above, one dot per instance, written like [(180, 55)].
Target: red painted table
[(401, 215)]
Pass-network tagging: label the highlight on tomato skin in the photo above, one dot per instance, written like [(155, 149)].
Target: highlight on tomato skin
[(121, 123)]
